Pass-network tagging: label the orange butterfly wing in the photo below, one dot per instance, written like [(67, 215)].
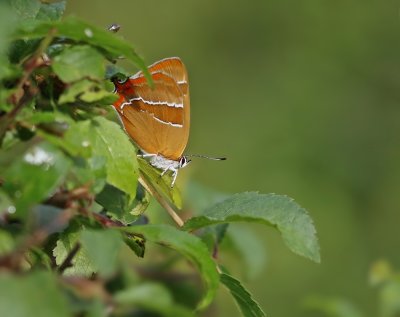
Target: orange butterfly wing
[(158, 118)]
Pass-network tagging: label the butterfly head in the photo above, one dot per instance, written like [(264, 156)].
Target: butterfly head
[(118, 80), (183, 161)]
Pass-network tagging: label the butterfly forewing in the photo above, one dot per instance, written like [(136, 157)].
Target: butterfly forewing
[(157, 118)]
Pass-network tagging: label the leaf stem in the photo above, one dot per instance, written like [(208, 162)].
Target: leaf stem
[(178, 220)]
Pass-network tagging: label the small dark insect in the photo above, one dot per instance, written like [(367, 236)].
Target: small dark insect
[(114, 27)]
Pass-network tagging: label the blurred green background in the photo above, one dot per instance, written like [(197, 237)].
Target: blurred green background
[(303, 98)]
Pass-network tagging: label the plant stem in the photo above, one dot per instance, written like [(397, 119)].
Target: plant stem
[(178, 220)]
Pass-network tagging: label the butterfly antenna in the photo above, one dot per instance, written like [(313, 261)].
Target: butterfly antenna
[(208, 157)]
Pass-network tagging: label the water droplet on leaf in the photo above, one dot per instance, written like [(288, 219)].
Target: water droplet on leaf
[(88, 32), (85, 143)]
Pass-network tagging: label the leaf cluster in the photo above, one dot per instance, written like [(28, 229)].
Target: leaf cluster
[(76, 233)]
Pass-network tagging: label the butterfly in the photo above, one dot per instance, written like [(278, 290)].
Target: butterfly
[(158, 118)]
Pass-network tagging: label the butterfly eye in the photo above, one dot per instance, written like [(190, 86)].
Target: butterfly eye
[(122, 80)]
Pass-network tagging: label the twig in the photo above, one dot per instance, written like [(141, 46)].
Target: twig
[(68, 260), (19, 98), (13, 259), (88, 289), (161, 200), (63, 199), (103, 220), (31, 64)]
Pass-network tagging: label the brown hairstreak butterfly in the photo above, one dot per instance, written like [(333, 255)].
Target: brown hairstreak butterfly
[(158, 118)]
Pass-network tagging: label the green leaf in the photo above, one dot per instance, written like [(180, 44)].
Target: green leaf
[(75, 140), (14, 150), (81, 263), (38, 117), (87, 91), (251, 250), (51, 11), (88, 172), (292, 221), (82, 32), (7, 25), (20, 49), (102, 248), (38, 258), (6, 204), (7, 243), (25, 9), (153, 297), (136, 243), (75, 90), (37, 293), (142, 201), (110, 141), (212, 236), (332, 307), (97, 308), (119, 205), (103, 138), (161, 184), (79, 62), (188, 245), (248, 306), (42, 162)]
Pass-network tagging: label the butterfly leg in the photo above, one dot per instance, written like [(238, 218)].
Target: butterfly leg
[(174, 175), (168, 168)]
